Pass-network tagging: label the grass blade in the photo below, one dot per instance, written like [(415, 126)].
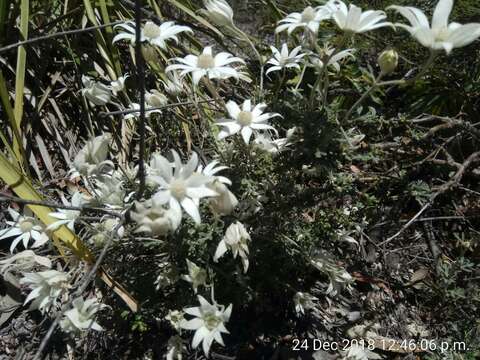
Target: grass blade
[(20, 81)]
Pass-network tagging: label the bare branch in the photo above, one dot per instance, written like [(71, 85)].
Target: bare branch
[(168, 106), (454, 180), (58, 34), (6, 197)]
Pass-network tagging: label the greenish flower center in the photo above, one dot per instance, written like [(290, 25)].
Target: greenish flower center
[(205, 61), (245, 118), (26, 226), (154, 214), (151, 30), (211, 321), (178, 189), (308, 14), (441, 34)]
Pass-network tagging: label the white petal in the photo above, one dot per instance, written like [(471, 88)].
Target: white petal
[(221, 250), (200, 192), (191, 209), (246, 134), (233, 109), (441, 14)]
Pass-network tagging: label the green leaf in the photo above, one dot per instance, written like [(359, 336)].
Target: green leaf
[(20, 82)]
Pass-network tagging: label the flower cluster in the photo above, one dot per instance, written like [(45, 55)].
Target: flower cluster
[(156, 193)]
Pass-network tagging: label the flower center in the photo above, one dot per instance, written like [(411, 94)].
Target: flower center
[(205, 61), (151, 30), (211, 321), (245, 118), (154, 214), (308, 14), (178, 189), (284, 61), (26, 226), (442, 34)]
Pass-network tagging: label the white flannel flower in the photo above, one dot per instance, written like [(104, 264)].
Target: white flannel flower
[(266, 142), (66, 216), (155, 98), (245, 120), (81, 316), (303, 301), (205, 64), (226, 201), (154, 218), (208, 323), (92, 158), (219, 12), (441, 35), (236, 240), (96, 92), (23, 261), (345, 236), (174, 85), (339, 277), (309, 18), (327, 52), (353, 20), (181, 187), (24, 228), (110, 191), (118, 85), (197, 276), (46, 287), (284, 59), (151, 33)]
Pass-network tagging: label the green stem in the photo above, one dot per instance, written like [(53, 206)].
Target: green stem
[(301, 77), (365, 95), (213, 91), (423, 70), (282, 79), (247, 39), (324, 73)]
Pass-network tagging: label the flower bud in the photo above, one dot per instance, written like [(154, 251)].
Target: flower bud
[(219, 12), (225, 202), (92, 158), (155, 98), (388, 61), (149, 53), (154, 218), (96, 92)]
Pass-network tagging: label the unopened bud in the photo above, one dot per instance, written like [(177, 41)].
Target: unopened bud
[(388, 61), (149, 53), (219, 11)]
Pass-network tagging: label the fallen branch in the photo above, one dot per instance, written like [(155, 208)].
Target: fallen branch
[(455, 180)]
